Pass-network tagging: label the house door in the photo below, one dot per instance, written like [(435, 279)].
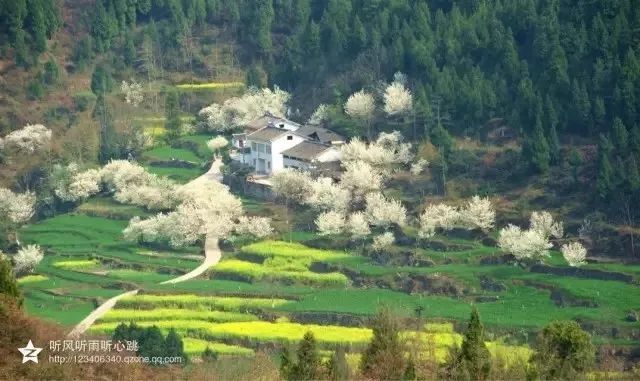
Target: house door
[(261, 166)]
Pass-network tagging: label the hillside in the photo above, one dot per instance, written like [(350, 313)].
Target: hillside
[(487, 169)]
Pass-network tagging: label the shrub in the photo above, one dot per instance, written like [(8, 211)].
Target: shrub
[(83, 100)]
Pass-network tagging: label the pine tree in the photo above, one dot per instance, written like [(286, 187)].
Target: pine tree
[(633, 176), (173, 345), (172, 121), (634, 141), (575, 161), (474, 352), (51, 72), (307, 366), (604, 181), (102, 114), (383, 358), (286, 364), (101, 82), (554, 145), (620, 137), (8, 284), (539, 149), (152, 343)]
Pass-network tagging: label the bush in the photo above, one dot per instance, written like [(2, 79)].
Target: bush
[(35, 90), (84, 100)]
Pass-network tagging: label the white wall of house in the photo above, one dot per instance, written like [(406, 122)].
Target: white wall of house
[(266, 157), (330, 155)]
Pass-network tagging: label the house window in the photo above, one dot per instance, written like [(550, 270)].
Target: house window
[(253, 146), (254, 162), (289, 137), (268, 165), (261, 148), (268, 148)]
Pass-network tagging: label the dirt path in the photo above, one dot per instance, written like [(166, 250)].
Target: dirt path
[(212, 256), (97, 314)]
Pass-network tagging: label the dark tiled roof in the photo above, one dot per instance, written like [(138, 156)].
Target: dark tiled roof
[(267, 120), (306, 150), (320, 133), (268, 134)]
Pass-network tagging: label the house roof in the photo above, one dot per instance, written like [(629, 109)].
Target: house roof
[(268, 134), (267, 120), (320, 134), (306, 150)]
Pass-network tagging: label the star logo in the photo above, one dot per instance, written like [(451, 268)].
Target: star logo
[(30, 353)]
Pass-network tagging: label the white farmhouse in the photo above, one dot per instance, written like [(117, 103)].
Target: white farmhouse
[(267, 146), (309, 155)]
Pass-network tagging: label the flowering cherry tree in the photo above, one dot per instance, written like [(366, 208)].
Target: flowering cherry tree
[(217, 143), (574, 253), (543, 223), (524, 244), (29, 139), (478, 213), (437, 216), (27, 258), (238, 111), (330, 223), (319, 115), (383, 212), (397, 99), (382, 241), (325, 195), (132, 92)]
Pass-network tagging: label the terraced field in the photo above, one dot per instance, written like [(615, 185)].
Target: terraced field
[(270, 293)]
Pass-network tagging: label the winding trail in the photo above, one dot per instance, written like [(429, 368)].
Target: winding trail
[(212, 256)]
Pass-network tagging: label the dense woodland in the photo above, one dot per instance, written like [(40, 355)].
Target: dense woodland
[(556, 72)]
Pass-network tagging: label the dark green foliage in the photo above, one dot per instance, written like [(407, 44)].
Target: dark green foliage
[(307, 366), (82, 52), (575, 161), (27, 24), (51, 72), (474, 354), (620, 137), (536, 149), (83, 100), (8, 284), (172, 121), (563, 351), (605, 180), (101, 81), (108, 139), (384, 356), (150, 341), (35, 89), (173, 345), (256, 77)]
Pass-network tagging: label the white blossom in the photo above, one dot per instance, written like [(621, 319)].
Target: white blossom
[(27, 258), (574, 253), (358, 225), (217, 143), (438, 216), (385, 154), (330, 223), (543, 223), (259, 227), (319, 115), (360, 178), (120, 174), (159, 193), (292, 184), (397, 99), (83, 185), (29, 139), (360, 105), (325, 195), (478, 213), (18, 207), (382, 241), (524, 244), (383, 212), (238, 111), (418, 167), (132, 92)]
